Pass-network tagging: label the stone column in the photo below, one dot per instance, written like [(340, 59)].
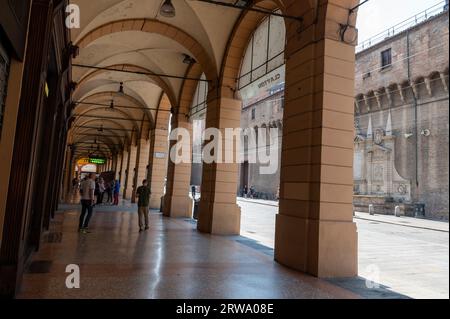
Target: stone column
[(159, 154), (315, 232), (124, 166), (219, 213), (118, 165), (142, 158), (129, 174), (177, 202)]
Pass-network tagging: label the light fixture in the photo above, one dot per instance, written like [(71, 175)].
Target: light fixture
[(101, 128), (425, 132), (167, 9), (408, 135), (111, 106), (188, 60), (121, 91)]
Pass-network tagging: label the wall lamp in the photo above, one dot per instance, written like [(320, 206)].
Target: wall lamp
[(188, 60)]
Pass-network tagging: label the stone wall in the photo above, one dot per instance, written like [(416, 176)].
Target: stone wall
[(418, 98)]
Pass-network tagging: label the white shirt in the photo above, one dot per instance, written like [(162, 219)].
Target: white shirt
[(87, 187)]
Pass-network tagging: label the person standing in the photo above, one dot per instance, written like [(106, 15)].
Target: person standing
[(109, 191), (101, 190), (116, 192), (143, 193), (87, 202)]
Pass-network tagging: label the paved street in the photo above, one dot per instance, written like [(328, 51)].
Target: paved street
[(404, 255)]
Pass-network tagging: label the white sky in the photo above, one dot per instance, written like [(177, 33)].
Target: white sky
[(376, 16)]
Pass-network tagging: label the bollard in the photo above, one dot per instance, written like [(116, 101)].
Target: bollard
[(397, 211), (371, 212)]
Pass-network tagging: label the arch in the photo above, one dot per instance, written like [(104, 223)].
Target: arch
[(188, 88), (157, 27)]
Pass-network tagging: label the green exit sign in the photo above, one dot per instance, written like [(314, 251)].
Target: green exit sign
[(97, 160)]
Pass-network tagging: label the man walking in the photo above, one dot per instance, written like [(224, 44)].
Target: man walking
[(143, 193), (87, 202)]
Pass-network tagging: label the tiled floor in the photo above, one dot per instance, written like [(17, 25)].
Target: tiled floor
[(171, 260)]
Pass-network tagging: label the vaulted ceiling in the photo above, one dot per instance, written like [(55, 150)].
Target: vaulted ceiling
[(131, 35)]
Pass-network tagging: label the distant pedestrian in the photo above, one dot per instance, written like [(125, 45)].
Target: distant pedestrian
[(143, 193), (109, 192), (252, 192), (87, 190), (101, 190), (245, 191)]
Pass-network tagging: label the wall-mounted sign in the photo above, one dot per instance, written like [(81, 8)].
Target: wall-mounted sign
[(97, 160), (160, 155), (83, 161), (266, 86)]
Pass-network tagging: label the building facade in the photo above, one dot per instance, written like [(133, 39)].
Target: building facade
[(401, 122)]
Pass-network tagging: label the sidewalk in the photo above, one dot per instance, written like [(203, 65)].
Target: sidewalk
[(406, 221), (388, 219)]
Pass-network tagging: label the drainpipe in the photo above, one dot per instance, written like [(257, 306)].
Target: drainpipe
[(416, 132)]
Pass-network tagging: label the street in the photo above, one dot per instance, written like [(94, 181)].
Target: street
[(410, 260)]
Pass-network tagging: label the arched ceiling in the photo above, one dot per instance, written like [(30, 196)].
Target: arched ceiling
[(128, 35)]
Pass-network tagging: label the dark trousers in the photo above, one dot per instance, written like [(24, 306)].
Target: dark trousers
[(116, 198), (86, 207), (100, 198)]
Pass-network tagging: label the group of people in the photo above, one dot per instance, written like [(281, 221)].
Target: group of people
[(92, 190), (111, 189), (249, 192)]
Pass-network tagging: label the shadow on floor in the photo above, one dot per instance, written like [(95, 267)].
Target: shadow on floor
[(359, 286)]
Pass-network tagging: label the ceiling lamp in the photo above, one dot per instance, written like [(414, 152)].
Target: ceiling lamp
[(121, 91), (167, 9), (188, 60)]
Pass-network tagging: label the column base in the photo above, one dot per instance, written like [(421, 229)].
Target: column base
[(180, 206), (325, 249), (219, 218), (155, 201)]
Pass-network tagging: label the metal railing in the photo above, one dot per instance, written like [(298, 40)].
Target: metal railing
[(402, 26)]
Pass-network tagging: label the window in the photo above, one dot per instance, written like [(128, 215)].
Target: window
[(253, 114), (386, 59)]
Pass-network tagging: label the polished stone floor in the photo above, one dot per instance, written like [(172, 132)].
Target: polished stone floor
[(171, 260)]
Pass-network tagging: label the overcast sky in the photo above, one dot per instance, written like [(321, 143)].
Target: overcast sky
[(376, 16)]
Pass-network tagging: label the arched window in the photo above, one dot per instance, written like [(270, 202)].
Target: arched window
[(265, 51)]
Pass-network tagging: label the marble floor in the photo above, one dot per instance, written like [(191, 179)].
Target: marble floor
[(171, 260)]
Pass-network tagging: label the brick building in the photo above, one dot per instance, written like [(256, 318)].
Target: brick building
[(401, 121)]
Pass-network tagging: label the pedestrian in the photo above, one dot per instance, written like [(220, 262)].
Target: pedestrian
[(116, 192), (193, 190), (109, 190), (252, 192), (101, 190), (87, 190), (143, 193), (245, 191)]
